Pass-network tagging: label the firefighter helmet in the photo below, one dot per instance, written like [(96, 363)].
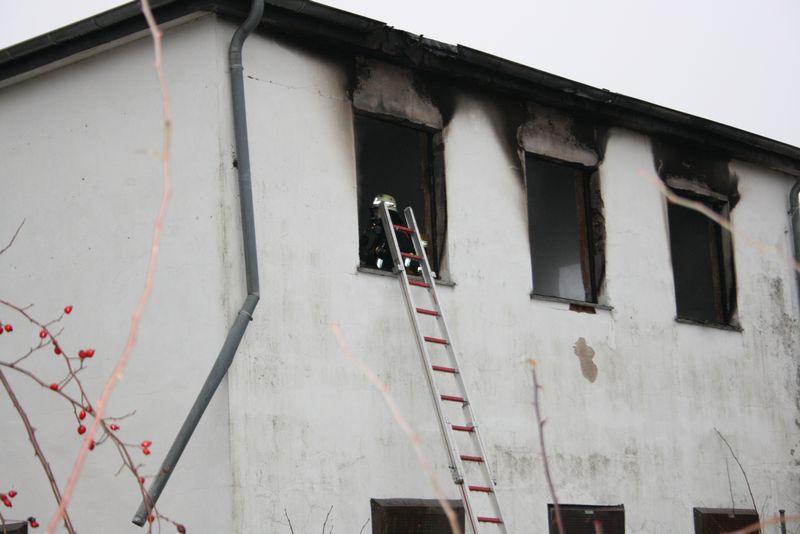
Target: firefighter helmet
[(391, 203)]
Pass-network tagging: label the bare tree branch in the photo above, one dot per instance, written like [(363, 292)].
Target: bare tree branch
[(413, 437), (725, 441), (156, 34), (37, 448), (324, 523), (755, 527), (540, 424), (289, 520), (12, 238)]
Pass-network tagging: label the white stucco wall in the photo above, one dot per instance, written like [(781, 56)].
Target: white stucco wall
[(299, 429), (308, 430), (78, 165)]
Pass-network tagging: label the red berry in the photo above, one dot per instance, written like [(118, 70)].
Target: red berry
[(181, 528), (88, 409), (6, 501), (141, 480), (33, 523), (12, 494), (113, 426), (82, 415), (91, 445), (150, 518), (89, 353), (43, 333), (146, 451), (81, 430), (146, 443), (8, 328), (68, 310), (54, 387), (57, 350), (81, 354)]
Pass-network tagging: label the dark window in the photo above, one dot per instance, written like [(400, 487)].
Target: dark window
[(717, 520), (580, 519), (404, 162), (565, 226), (412, 516), (702, 264)]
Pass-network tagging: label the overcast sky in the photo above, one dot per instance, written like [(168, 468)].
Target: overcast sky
[(733, 61)]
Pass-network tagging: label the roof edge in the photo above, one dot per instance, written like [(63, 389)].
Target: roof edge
[(376, 39)]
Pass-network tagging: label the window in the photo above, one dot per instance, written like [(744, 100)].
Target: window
[(702, 263), (566, 228), (580, 519), (716, 520), (412, 516), (404, 162)]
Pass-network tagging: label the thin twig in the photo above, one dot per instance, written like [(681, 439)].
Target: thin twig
[(324, 523), (364, 525), (289, 520), (730, 485), (415, 439), (755, 527), (725, 441), (13, 238), (156, 34), (720, 220), (540, 424), (38, 449)]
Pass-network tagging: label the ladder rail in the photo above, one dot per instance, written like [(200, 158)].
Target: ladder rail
[(428, 277), (444, 425)]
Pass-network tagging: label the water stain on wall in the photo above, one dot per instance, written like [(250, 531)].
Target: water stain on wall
[(585, 355)]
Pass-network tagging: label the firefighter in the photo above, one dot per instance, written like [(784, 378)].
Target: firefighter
[(374, 246)]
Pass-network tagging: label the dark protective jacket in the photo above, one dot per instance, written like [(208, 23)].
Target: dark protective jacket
[(374, 245)]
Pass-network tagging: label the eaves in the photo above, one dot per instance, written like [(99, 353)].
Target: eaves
[(356, 34)]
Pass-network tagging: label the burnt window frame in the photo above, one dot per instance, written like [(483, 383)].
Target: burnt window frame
[(436, 207), (704, 516), (381, 508), (585, 509), (721, 255), (594, 228)]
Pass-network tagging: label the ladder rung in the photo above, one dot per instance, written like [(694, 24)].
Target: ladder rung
[(468, 458), (438, 340), (453, 398), (484, 489), (483, 519), (461, 428), (404, 229), (418, 284), (411, 256), (425, 311), (444, 369)]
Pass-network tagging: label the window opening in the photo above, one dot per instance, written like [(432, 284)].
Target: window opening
[(580, 519), (404, 162), (413, 516), (702, 264), (717, 520), (565, 228)]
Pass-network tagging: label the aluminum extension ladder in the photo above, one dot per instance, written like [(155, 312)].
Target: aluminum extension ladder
[(470, 469)]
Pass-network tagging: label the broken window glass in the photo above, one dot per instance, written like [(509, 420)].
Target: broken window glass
[(401, 161), (565, 229), (702, 264)]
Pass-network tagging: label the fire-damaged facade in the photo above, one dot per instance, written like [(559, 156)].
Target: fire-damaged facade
[(666, 345)]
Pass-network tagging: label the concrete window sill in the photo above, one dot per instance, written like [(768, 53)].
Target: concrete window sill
[(573, 304), (369, 270), (729, 327)]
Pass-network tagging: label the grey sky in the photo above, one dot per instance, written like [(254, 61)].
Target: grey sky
[(732, 61)]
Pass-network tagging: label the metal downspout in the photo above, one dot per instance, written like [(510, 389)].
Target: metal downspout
[(794, 213), (245, 315)]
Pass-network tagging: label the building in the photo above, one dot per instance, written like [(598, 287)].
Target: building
[(653, 328)]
